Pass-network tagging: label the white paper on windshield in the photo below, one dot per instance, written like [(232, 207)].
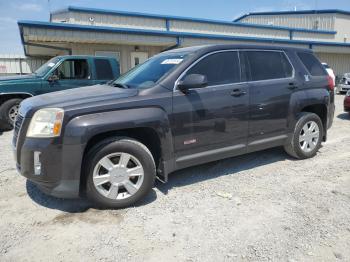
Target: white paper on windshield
[(172, 61), (51, 64)]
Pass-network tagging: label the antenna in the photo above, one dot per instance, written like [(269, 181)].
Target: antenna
[(49, 5)]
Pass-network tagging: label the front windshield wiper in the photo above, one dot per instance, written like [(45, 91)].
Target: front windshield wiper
[(120, 85)]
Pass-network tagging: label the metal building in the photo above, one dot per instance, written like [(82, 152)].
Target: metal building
[(133, 37), (19, 64)]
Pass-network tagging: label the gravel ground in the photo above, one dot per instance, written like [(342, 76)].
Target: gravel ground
[(263, 206)]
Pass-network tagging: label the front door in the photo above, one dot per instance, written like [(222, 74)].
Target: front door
[(138, 58), (71, 73), (211, 121), (271, 85)]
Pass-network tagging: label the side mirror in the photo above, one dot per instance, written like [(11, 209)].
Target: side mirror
[(192, 81), (53, 78)]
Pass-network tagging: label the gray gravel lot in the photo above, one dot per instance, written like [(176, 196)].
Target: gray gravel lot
[(263, 206)]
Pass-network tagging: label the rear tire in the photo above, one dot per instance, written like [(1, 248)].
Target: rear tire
[(120, 172), (8, 113), (307, 137)]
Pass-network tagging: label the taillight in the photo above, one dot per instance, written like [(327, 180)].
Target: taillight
[(330, 83)]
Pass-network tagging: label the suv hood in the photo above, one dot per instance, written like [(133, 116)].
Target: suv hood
[(76, 98)]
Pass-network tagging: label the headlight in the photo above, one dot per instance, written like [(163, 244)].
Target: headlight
[(46, 122), (348, 93)]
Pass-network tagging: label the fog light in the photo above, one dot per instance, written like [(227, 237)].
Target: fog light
[(37, 163)]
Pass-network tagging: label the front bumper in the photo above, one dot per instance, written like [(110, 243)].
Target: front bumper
[(60, 166), (343, 88)]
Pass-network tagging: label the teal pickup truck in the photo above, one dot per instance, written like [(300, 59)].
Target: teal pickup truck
[(59, 73)]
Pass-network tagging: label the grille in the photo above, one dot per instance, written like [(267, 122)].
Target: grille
[(16, 129)]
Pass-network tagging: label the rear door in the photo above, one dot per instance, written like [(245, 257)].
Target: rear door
[(271, 83), (212, 120), (317, 78)]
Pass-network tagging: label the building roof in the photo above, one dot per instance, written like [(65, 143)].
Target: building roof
[(301, 12), (176, 34), (181, 18)]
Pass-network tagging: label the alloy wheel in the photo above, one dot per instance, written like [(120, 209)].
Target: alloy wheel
[(309, 136), (13, 112), (118, 176)]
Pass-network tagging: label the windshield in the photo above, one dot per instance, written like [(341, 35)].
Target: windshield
[(146, 75), (45, 68), (347, 75)]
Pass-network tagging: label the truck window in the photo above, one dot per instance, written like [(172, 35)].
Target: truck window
[(103, 69), (220, 68), (73, 69), (312, 64), (268, 65)]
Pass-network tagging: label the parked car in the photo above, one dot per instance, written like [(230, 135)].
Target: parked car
[(178, 109), (347, 102), (330, 71), (344, 84), (59, 73)]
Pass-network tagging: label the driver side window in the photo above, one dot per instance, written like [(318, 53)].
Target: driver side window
[(219, 68), (73, 69)]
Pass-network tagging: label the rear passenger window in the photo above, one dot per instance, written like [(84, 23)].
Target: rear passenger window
[(103, 69), (312, 64), (220, 68), (265, 65)]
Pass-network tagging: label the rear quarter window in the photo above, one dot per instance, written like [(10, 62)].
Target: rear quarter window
[(103, 69), (312, 64)]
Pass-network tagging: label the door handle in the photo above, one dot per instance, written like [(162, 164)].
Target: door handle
[(238, 92), (292, 86)]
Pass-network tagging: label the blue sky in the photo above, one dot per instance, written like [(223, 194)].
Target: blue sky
[(13, 10)]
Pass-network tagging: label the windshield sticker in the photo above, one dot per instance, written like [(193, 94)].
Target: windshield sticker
[(172, 61), (51, 64)]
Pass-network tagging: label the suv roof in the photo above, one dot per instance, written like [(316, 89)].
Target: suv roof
[(210, 48)]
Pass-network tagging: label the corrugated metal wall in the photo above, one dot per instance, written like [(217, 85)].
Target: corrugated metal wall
[(178, 25), (111, 20), (325, 21), (217, 29), (15, 64), (57, 35), (339, 62), (342, 26)]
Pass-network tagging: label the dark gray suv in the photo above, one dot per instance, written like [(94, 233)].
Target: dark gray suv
[(180, 108)]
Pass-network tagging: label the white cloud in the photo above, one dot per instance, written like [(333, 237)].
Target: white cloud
[(30, 7)]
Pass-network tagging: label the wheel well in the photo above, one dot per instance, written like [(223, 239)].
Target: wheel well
[(145, 135), (6, 97), (320, 110)]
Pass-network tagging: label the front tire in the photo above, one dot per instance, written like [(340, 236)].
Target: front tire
[(307, 137), (120, 172), (8, 113)]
